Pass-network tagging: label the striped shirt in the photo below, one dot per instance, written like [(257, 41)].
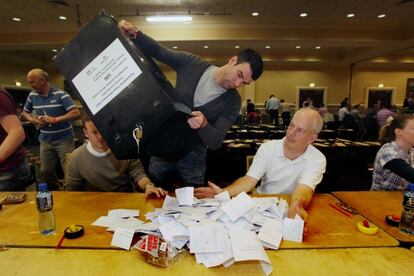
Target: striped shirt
[(56, 103), (383, 179)]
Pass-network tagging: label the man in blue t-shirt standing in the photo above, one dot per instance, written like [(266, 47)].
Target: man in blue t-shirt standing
[(51, 110)]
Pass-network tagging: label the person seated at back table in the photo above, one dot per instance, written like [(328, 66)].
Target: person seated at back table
[(393, 163), (93, 167), (287, 166)]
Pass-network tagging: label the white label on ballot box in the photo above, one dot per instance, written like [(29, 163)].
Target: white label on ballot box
[(106, 76)]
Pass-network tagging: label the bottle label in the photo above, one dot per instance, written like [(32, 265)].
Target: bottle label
[(44, 201)]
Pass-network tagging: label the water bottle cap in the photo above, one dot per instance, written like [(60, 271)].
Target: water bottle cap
[(410, 186), (42, 187)]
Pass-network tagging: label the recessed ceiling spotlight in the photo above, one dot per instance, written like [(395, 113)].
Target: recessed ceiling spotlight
[(303, 14), (205, 46), (62, 17), (175, 47), (17, 19), (350, 15), (298, 47), (54, 50), (267, 46), (318, 47), (381, 15), (255, 14), (237, 46)]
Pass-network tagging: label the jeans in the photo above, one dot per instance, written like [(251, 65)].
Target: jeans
[(274, 116), (189, 171), (50, 154), (17, 179)]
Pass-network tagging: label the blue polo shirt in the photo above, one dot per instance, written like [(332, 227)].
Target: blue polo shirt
[(56, 103)]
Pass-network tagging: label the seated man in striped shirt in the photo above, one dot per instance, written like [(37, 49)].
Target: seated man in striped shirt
[(51, 110)]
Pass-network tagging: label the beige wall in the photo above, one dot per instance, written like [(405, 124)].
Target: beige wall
[(282, 83), (363, 78)]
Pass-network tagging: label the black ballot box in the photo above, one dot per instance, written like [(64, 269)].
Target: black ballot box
[(120, 88)]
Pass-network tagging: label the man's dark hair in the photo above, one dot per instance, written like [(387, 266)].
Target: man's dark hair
[(254, 59)]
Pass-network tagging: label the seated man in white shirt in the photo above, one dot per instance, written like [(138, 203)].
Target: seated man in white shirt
[(287, 166)]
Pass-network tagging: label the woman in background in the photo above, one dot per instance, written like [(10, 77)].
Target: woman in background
[(393, 163)]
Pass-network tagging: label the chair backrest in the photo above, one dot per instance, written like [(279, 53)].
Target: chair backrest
[(249, 161)]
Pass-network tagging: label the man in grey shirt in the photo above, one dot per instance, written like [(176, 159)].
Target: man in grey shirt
[(210, 92), (272, 106)]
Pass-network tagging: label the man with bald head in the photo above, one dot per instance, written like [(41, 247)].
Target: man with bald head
[(51, 110), (287, 166)]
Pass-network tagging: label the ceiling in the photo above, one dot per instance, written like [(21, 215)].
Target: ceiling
[(223, 24)]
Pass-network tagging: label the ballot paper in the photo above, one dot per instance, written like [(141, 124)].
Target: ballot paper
[(122, 238), (123, 213), (217, 258), (246, 246), (207, 238), (222, 197), (185, 196), (170, 202), (293, 229), (238, 206), (271, 233), (105, 221), (129, 223), (169, 230)]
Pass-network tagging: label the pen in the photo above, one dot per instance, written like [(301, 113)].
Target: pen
[(60, 242), (340, 210)]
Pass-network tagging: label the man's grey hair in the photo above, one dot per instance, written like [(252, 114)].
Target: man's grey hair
[(314, 117)]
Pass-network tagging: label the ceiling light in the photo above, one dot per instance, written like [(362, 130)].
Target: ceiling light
[(255, 14), (303, 14), (267, 46), (169, 18), (205, 46), (298, 47), (318, 47), (381, 15), (17, 19), (18, 83), (62, 17), (237, 46), (175, 47), (350, 15)]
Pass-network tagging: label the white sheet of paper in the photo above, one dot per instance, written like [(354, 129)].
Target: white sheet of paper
[(106, 76), (105, 221), (129, 223), (185, 196), (246, 246), (238, 206), (282, 208), (172, 229), (271, 233), (170, 202), (163, 219), (223, 196), (123, 213), (293, 229), (207, 238), (122, 238), (264, 203), (216, 258)]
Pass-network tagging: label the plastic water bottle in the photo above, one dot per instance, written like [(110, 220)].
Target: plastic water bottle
[(407, 216), (44, 203)]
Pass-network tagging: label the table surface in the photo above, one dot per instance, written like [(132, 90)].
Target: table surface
[(345, 261), (376, 205), (328, 228)]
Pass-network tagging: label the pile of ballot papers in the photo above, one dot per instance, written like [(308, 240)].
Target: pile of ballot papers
[(218, 231)]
